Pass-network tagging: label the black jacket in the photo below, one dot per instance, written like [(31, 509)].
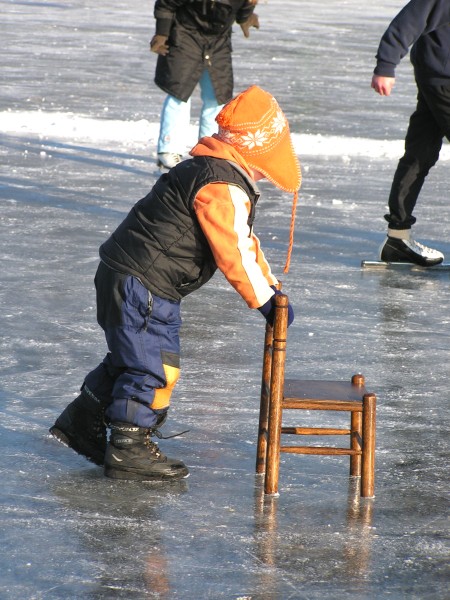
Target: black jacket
[(424, 24), (199, 37), (160, 241)]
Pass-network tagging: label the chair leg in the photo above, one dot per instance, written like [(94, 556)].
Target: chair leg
[(356, 431), (273, 445), (368, 454), (261, 447), (276, 395), (356, 443)]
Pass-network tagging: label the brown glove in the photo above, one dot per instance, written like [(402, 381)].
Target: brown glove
[(158, 44), (252, 21)]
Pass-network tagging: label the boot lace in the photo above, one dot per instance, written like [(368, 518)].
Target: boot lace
[(98, 431), (160, 436), (153, 446), (422, 249)]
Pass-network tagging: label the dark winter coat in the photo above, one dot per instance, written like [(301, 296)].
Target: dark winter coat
[(160, 241), (199, 37), (424, 24)]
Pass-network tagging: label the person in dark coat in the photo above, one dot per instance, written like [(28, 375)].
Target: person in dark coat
[(193, 43), (424, 25)]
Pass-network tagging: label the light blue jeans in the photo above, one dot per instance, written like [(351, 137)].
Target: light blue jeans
[(176, 115)]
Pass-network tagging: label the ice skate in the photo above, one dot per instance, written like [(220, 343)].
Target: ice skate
[(395, 250)]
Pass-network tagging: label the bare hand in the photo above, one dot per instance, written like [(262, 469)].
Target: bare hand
[(158, 44), (383, 85)]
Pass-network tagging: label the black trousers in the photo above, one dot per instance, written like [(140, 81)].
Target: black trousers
[(428, 126)]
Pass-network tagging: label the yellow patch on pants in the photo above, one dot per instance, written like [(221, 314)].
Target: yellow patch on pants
[(162, 395)]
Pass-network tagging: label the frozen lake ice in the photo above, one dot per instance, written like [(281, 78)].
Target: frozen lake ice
[(79, 118)]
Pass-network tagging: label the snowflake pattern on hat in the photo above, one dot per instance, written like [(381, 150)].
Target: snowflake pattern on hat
[(257, 128), (250, 140), (264, 137)]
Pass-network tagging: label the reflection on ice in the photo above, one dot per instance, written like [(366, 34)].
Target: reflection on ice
[(79, 118)]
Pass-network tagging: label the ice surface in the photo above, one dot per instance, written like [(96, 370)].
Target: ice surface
[(79, 118)]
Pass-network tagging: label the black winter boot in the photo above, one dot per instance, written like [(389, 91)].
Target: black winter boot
[(132, 455), (81, 427)]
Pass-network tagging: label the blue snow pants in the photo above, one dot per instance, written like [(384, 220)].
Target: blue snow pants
[(137, 376)]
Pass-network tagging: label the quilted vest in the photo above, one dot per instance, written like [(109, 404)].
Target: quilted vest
[(161, 241)]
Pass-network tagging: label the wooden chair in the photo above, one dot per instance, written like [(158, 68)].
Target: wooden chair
[(279, 394)]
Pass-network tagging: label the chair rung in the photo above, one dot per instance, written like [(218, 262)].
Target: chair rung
[(310, 404), (314, 431), (320, 450)]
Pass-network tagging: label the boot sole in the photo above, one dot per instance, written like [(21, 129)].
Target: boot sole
[(135, 476), (62, 437)]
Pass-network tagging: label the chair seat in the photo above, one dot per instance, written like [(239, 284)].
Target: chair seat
[(323, 395)]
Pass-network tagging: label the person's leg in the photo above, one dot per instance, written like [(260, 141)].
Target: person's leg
[(142, 333), (438, 99), (210, 108), (422, 146), (124, 313), (175, 117), (81, 426), (145, 345)]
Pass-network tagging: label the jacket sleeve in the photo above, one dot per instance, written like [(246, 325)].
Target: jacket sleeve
[(416, 18), (222, 211), (164, 13), (245, 11)]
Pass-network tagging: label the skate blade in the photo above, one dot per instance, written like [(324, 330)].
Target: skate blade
[(399, 266)]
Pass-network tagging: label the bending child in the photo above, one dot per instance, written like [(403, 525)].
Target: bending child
[(198, 217)]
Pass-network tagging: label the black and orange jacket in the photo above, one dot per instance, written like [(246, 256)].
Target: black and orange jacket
[(197, 218)]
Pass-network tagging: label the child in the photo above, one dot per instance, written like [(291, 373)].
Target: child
[(198, 217)]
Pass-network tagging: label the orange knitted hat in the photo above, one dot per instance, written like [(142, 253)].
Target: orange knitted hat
[(255, 125)]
